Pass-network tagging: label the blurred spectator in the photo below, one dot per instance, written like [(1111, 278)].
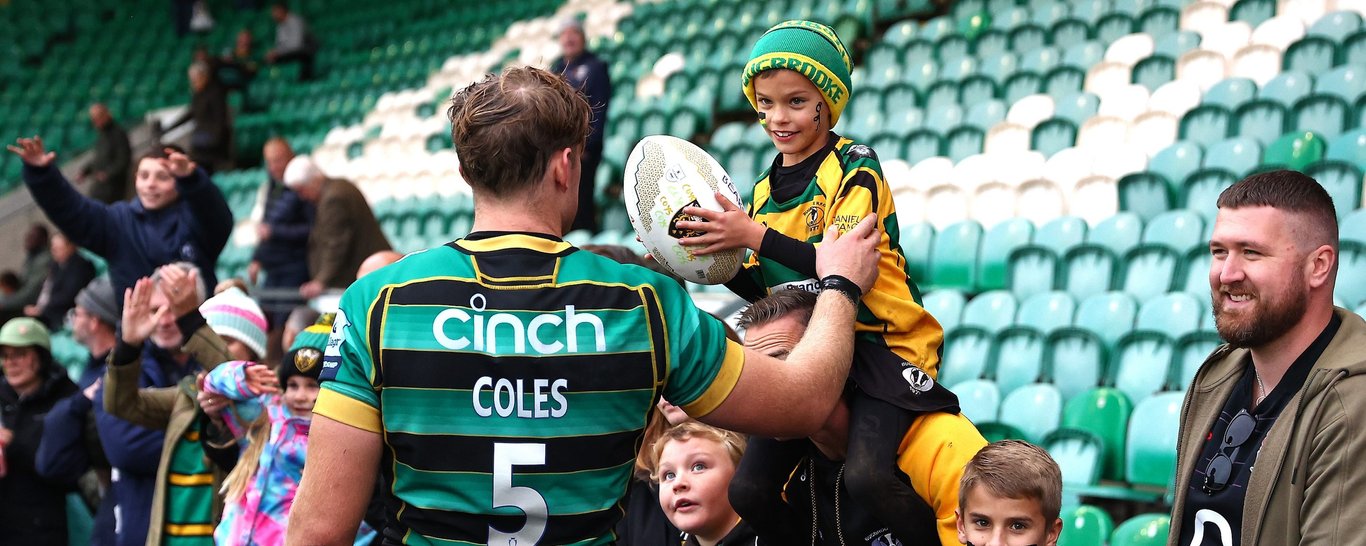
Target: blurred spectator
[(211, 138), (238, 66), (182, 11), (284, 223), (37, 263), (108, 171), (376, 261), (300, 318), (294, 42), (345, 232), (71, 443), (589, 74), (179, 215), (67, 275), (32, 509)]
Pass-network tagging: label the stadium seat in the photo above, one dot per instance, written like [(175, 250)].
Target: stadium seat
[(1151, 457), (1142, 363), (1287, 87), (1153, 131), (944, 119), (1349, 147), (1174, 315), (1031, 270), (1046, 311), (1146, 194), (1066, 78), (1076, 107), (1353, 50), (953, 257), (1263, 120), (1353, 226), (1200, 16), (1176, 44), (1088, 269), (1144, 530), (1118, 233), (1178, 230), (1253, 12), (986, 113), (1294, 151), (1016, 358), (1034, 409), (1202, 67), (1337, 25), (1227, 39), (1202, 189), (1194, 276), (1343, 181), (991, 311), (1040, 200), (1053, 135), (1149, 270), (946, 306), (1061, 234), (1347, 82), (1176, 162), (1310, 55), (1080, 456), (995, 250), (1027, 37), (1085, 525), (1190, 352), (1155, 71), (979, 399), (916, 242), (1206, 124), (1102, 412), (1351, 269), (1159, 21), (1109, 315), (1235, 155), (1325, 115), (1074, 360)]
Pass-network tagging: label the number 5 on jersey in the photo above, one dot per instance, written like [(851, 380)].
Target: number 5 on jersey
[(526, 499)]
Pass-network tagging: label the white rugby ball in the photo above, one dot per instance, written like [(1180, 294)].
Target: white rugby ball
[(663, 175)]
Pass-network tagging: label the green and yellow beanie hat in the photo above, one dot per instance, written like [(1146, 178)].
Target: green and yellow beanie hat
[(305, 357), (809, 48)]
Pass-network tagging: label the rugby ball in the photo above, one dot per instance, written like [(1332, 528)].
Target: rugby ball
[(663, 175)]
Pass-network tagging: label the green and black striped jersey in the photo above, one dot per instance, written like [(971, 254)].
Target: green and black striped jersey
[(511, 376)]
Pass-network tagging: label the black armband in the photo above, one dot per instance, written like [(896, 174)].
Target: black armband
[(843, 286)]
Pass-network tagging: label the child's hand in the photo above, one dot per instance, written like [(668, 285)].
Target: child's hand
[(177, 163), (725, 230), (31, 151), (261, 379)]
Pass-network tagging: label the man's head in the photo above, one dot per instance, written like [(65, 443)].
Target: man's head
[(277, 154), (1010, 495), (299, 318), (304, 177), (1274, 257), (167, 335), (199, 76), (775, 324), (99, 115), (572, 38), (96, 312), (520, 136), (62, 248), (376, 261), (36, 238), (278, 12), (243, 40), (154, 183)]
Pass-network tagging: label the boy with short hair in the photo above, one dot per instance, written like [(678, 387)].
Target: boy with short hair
[(1010, 495), (798, 81)]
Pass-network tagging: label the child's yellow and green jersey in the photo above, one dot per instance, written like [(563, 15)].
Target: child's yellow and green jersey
[(510, 376), (839, 185)]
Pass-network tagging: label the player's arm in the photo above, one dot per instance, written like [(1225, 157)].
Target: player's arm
[(793, 398), (338, 479)]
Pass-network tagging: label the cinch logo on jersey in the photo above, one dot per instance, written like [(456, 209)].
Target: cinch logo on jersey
[(544, 332)]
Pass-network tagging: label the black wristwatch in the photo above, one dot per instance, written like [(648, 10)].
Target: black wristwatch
[(843, 286)]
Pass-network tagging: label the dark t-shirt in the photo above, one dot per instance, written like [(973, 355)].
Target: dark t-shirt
[(1217, 515)]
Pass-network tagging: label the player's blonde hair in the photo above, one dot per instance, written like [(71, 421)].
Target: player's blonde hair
[(733, 443), (1014, 469)]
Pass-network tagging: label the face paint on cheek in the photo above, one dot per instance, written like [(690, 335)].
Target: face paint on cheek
[(763, 119), (817, 118)]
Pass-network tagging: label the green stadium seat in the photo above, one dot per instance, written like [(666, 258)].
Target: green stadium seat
[(1034, 409), (1109, 315), (1351, 269), (1353, 226), (1353, 50), (1113, 26), (1046, 12), (1149, 270), (999, 66), (1046, 311), (1031, 270), (946, 306), (1118, 233), (1026, 38), (1088, 269), (1236, 155), (1206, 124), (1325, 115), (1173, 315), (975, 89), (953, 257), (1264, 120), (1295, 151), (1349, 147), (1142, 362), (1069, 32), (901, 32), (917, 52), (1053, 135), (979, 398), (992, 42), (1146, 194), (1144, 530), (1288, 87), (916, 242), (941, 94), (991, 311), (1190, 353), (937, 28), (1202, 189), (1061, 234), (986, 113), (995, 251), (1016, 358), (922, 144), (1080, 456), (1176, 44), (963, 141), (1194, 276), (1063, 80), (1154, 71), (1076, 107), (1336, 25), (1159, 21), (1343, 181), (1176, 162), (1347, 82), (1310, 55), (1231, 93), (1252, 12), (1178, 230), (1020, 85), (1085, 525)]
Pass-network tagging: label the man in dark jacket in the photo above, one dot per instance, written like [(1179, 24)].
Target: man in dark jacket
[(211, 140), (586, 72), (179, 215), (68, 274), (32, 509), (282, 234), (71, 442), (37, 263), (345, 232), (108, 171)]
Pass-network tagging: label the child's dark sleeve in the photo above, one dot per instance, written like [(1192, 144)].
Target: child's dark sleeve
[(746, 284), (796, 255)]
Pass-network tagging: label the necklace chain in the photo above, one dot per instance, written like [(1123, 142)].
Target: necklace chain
[(1261, 386)]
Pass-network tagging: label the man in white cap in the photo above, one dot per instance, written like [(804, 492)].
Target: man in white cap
[(345, 230)]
